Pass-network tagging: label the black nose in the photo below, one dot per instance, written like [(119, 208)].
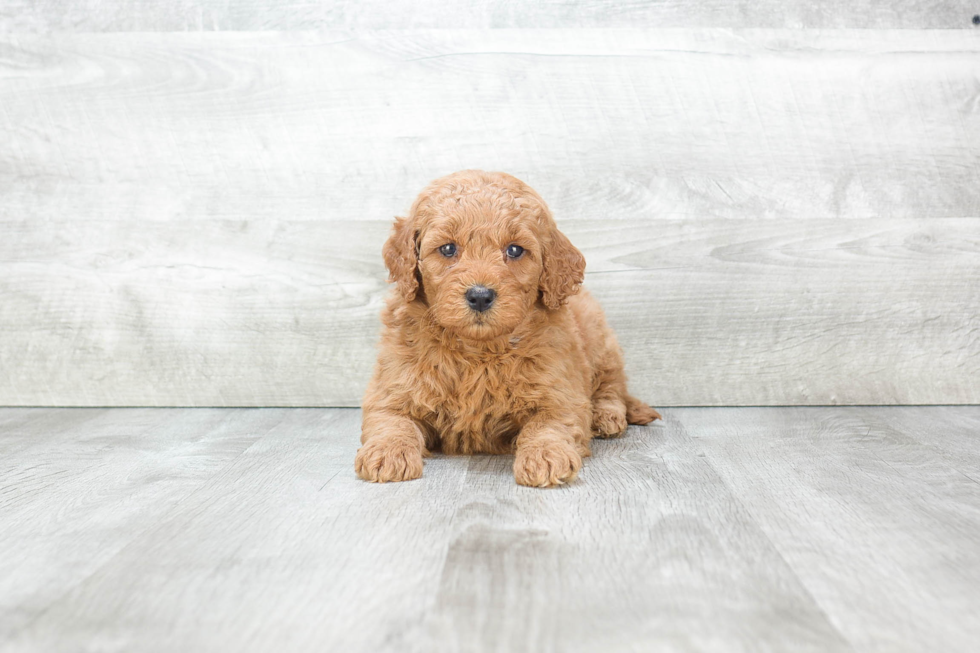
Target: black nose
[(480, 298)]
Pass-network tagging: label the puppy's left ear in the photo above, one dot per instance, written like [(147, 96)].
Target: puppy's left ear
[(564, 270), (402, 257)]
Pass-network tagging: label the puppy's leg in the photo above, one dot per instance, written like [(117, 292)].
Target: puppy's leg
[(393, 447), (548, 452), (612, 406), (638, 412), (608, 412)]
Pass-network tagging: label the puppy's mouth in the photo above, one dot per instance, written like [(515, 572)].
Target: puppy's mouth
[(482, 323), (481, 327), (477, 313)]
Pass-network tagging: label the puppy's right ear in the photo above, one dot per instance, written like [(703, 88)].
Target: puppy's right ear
[(402, 257)]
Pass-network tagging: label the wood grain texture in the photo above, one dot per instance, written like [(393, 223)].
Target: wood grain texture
[(953, 434), (603, 123), (298, 554), (211, 15), (720, 530), (708, 312), (104, 477), (880, 529), (770, 216), (620, 561)]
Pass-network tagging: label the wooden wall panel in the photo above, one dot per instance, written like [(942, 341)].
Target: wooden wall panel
[(215, 15), (710, 312), (604, 123), (770, 216)]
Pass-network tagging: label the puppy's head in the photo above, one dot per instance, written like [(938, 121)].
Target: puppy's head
[(481, 249)]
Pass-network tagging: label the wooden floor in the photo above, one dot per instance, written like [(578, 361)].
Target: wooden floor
[(723, 529)]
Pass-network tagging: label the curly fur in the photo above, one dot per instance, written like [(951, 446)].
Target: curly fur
[(538, 375)]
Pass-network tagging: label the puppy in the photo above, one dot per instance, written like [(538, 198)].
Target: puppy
[(488, 344)]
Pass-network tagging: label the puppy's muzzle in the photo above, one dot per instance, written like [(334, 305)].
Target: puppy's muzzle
[(480, 298)]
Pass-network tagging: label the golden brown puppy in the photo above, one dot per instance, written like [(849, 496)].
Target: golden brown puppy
[(486, 346)]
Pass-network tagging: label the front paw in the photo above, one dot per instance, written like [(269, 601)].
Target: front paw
[(546, 464), (383, 461)]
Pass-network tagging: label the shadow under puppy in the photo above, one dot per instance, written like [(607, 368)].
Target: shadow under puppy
[(488, 346)]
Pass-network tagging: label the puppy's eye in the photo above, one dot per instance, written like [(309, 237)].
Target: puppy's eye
[(448, 250), (514, 251)]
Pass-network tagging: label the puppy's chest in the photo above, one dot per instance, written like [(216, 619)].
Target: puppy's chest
[(479, 403)]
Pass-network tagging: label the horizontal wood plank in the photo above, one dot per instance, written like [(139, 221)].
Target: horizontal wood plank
[(224, 313), (603, 123), (210, 15)]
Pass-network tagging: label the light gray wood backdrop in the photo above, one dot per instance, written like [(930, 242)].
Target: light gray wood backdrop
[(193, 198)]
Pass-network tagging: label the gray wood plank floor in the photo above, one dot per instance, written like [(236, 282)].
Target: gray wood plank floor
[(723, 529)]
